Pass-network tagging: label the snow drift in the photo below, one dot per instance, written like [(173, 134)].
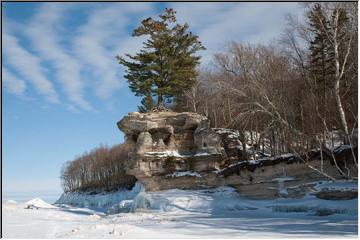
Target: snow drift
[(38, 203)]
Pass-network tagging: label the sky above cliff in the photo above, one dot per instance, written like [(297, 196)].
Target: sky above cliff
[(63, 90)]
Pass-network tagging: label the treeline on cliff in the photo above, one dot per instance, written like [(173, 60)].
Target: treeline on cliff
[(297, 93), (99, 169)]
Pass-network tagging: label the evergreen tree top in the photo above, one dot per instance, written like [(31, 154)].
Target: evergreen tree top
[(166, 65)]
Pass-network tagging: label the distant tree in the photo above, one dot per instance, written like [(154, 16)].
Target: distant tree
[(102, 168), (166, 66)]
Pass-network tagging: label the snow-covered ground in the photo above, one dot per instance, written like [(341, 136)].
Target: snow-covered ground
[(177, 213)]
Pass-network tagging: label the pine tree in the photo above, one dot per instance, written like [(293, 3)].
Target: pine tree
[(320, 60), (320, 52), (166, 66)]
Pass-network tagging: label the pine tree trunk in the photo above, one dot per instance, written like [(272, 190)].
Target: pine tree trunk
[(160, 101)]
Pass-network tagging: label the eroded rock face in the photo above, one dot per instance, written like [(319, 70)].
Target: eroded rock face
[(164, 131), (167, 142), (180, 150)]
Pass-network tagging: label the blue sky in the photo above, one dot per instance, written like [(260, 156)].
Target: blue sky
[(63, 90)]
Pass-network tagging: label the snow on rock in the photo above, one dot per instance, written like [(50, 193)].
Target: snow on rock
[(101, 201), (166, 153), (202, 154), (341, 148), (38, 203), (184, 174), (283, 157), (231, 133), (288, 156), (333, 139), (175, 154)]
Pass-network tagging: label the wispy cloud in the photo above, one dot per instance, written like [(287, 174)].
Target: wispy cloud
[(12, 83), (217, 24), (28, 66), (45, 36), (104, 31), (80, 58)]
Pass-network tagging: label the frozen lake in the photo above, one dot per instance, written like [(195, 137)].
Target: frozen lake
[(219, 213)]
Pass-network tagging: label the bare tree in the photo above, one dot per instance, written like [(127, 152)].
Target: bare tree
[(102, 168)]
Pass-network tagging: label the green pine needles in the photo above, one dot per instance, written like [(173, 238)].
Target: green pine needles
[(166, 65)]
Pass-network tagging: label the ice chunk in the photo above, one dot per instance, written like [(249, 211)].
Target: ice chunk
[(122, 207), (101, 201)]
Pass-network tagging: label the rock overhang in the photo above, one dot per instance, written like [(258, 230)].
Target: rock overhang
[(165, 142)]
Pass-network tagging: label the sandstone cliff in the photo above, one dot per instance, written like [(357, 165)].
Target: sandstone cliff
[(180, 150)]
